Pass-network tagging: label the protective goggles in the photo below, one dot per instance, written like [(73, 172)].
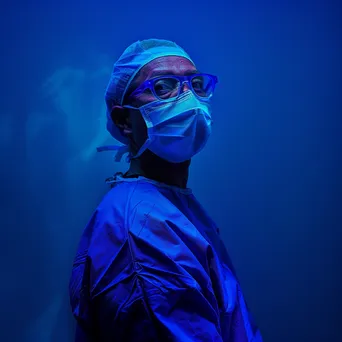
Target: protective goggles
[(170, 86)]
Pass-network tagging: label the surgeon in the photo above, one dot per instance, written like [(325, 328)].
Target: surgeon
[(151, 265)]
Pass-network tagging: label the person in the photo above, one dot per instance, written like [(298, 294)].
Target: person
[(151, 265)]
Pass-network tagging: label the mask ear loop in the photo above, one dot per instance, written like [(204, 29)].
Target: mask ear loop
[(139, 151), (121, 150)]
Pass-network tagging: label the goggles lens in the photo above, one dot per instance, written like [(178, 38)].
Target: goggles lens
[(169, 87)]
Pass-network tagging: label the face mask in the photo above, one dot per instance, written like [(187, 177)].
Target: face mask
[(177, 129)]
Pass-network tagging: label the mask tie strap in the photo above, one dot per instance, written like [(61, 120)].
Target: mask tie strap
[(121, 150)]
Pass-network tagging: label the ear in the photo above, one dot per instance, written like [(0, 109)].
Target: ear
[(120, 117)]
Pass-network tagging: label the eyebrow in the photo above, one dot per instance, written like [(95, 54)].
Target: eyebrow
[(169, 72)]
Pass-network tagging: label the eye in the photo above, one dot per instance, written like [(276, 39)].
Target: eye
[(198, 83), (166, 87), (163, 86), (202, 85)]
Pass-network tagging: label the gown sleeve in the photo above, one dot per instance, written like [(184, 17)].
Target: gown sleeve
[(182, 314), (79, 288), (131, 281)]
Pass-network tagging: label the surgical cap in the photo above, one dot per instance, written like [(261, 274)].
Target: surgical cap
[(128, 65)]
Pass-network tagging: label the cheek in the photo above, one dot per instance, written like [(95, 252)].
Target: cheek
[(144, 98)]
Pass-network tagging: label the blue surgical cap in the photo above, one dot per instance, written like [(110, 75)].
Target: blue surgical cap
[(131, 61)]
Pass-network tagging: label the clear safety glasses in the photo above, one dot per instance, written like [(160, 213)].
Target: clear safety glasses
[(170, 86)]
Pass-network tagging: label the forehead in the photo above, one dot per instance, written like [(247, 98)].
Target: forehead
[(168, 65)]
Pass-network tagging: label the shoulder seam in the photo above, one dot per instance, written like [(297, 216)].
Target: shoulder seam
[(127, 208)]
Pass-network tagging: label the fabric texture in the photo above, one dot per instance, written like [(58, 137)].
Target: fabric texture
[(177, 130), (151, 266)]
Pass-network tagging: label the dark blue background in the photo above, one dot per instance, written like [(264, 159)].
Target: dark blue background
[(270, 175)]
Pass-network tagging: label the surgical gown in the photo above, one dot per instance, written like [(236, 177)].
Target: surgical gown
[(151, 266)]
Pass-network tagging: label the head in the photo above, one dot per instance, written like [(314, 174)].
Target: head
[(138, 118), (130, 121)]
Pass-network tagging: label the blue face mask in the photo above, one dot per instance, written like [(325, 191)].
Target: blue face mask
[(177, 129)]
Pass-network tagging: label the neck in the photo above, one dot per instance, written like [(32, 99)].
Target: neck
[(151, 166)]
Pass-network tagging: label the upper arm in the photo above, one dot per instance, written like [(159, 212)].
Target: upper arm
[(99, 243), (79, 293), (180, 314), (141, 282)]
